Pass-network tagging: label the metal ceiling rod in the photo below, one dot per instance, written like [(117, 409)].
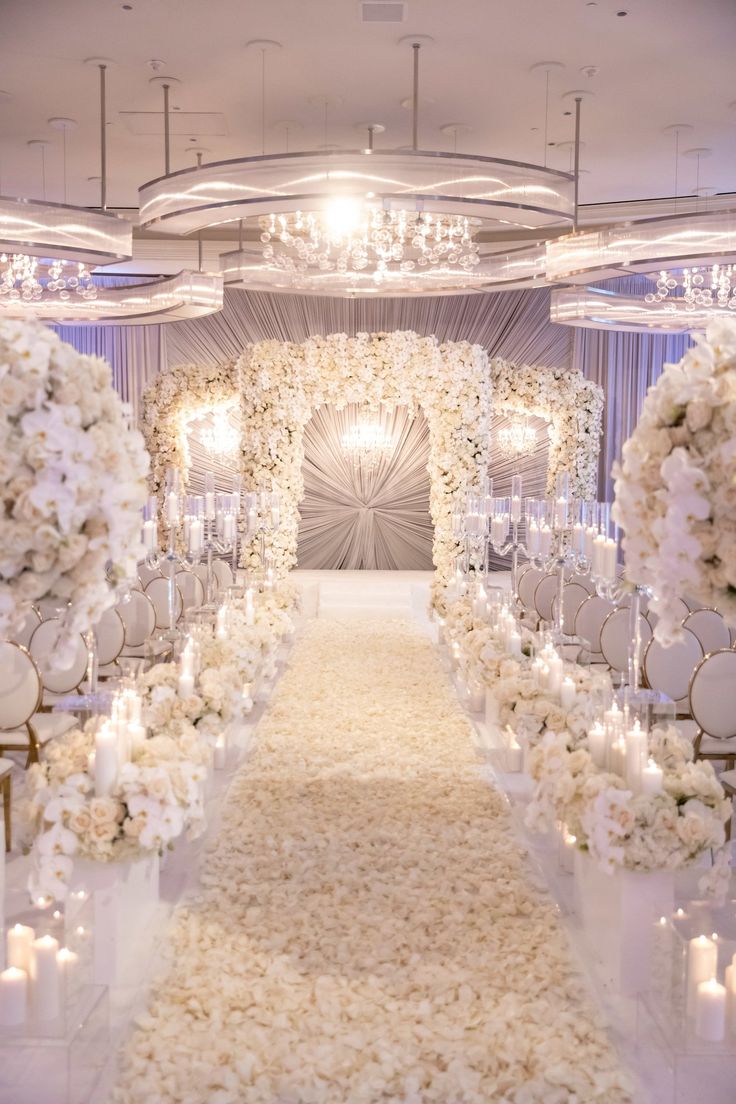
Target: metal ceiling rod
[(370, 137), (199, 236), (578, 101), (103, 141), (167, 135), (416, 46)]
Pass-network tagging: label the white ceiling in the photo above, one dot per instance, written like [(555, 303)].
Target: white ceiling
[(666, 61)]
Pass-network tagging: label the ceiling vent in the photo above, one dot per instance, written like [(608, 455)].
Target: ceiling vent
[(383, 11)]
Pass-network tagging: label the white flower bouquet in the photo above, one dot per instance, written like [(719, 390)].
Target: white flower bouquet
[(676, 484), (73, 482), (157, 796)]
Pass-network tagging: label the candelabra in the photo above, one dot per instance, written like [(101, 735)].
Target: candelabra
[(618, 591), (210, 523), (506, 519), (470, 521), (170, 560), (263, 516)]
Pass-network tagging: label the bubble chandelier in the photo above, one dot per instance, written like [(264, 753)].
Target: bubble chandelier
[(218, 436), (366, 443), (517, 438)]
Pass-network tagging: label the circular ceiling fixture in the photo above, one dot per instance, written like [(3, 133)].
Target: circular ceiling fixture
[(364, 222), (601, 309)]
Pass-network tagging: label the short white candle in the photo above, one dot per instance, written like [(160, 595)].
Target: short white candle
[(106, 760), (275, 517), (652, 778), (637, 745), (610, 555), (514, 645), (568, 693), (186, 685), (13, 997), (249, 608), (710, 1011), (45, 978), (556, 670), (617, 756), (136, 736), (19, 941), (220, 756), (702, 962), (597, 744)]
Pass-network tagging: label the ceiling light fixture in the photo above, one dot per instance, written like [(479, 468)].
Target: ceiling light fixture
[(601, 309), (363, 222), (517, 438), (366, 442)]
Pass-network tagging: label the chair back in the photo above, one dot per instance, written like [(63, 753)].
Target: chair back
[(615, 638), (145, 574), (44, 643), (192, 590), (110, 637), (223, 574), (713, 694), (589, 620), (138, 617), (25, 632), (158, 591), (545, 593), (50, 608), (669, 670), (527, 585), (21, 689), (573, 596), (710, 628)]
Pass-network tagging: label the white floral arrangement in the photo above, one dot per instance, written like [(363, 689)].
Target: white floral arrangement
[(281, 384), (157, 797), (573, 406), (73, 482), (675, 487), (178, 394), (637, 831), (530, 711)]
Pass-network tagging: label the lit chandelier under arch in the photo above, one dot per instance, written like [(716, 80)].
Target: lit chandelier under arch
[(368, 222), (516, 438), (366, 441)]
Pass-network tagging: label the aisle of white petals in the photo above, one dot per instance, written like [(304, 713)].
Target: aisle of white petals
[(368, 931)]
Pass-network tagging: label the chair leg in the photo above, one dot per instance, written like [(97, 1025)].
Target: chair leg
[(7, 795)]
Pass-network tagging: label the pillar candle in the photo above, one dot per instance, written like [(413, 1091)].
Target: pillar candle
[(567, 693), (597, 744), (209, 505), (710, 1011), (651, 778), (221, 627), (19, 941), (228, 528), (186, 685), (702, 962), (106, 760), (220, 757), (561, 513), (172, 509), (590, 535), (13, 997), (249, 610), (195, 535), (514, 645), (275, 517), (556, 668), (617, 757), (545, 540), (637, 746), (149, 536), (610, 554), (45, 980)]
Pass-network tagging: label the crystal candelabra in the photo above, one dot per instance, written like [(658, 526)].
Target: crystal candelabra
[(170, 561), (470, 526), (506, 518), (210, 524), (262, 516), (618, 591)]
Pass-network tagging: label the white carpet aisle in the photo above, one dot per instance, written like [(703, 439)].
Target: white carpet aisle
[(367, 929)]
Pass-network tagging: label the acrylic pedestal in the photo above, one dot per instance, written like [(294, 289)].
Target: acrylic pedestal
[(62, 1063), (124, 898), (618, 913)]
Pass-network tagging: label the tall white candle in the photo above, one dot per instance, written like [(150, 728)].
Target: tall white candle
[(710, 1011), (516, 508), (617, 757), (610, 553), (567, 693), (220, 756), (195, 535), (45, 980), (172, 509), (106, 760), (597, 744), (651, 778), (730, 982), (556, 670), (275, 517), (514, 645), (149, 536), (186, 685), (702, 962), (19, 941), (249, 609), (561, 513), (13, 997), (636, 756), (209, 505)]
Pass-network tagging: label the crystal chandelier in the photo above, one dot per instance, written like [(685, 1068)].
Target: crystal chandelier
[(367, 443), (517, 438), (353, 237), (32, 279), (698, 287), (219, 437)]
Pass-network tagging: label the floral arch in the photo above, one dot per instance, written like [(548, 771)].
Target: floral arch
[(280, 384)]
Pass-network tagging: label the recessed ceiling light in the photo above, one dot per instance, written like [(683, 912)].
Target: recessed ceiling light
[(621, 14), (127, 7)]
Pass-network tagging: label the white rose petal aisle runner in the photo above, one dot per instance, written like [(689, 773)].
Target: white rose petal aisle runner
[(367, 930)]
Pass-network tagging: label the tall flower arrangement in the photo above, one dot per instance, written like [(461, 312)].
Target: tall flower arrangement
[(571, 404), (676, 484), (72, 477)]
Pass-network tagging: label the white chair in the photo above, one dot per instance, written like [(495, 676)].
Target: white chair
[(223, 574), (200, 570), (57, 681), (158, 591), (573, 596), (26, 631), (669, 670), (192, 590), (527, 585), (712, 700), (110, 637), (589, 622), (584, 581), (710, 628), (139, 618), (545, 593), (50, 608), (145, 574), (22, 727), (615, 638)]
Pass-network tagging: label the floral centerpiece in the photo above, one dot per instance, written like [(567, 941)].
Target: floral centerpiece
[(643, 831), (676, 485), (530, 709), (156, 797), (73, 482)]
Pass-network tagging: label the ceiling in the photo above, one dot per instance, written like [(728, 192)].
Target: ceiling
[(664, 62)]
